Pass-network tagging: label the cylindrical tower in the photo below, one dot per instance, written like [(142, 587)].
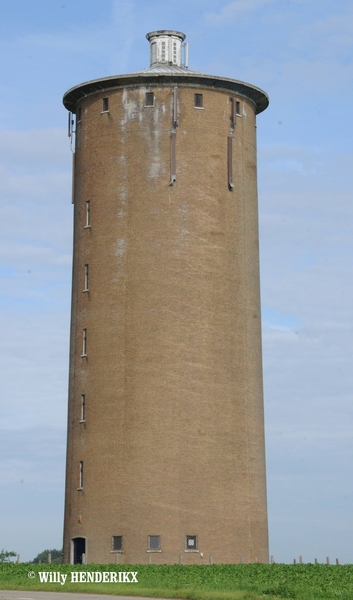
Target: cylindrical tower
[(165, 455)]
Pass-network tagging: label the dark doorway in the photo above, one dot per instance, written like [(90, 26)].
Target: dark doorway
[(79, 549)]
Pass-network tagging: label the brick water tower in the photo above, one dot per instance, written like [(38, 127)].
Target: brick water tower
[(165, 454)]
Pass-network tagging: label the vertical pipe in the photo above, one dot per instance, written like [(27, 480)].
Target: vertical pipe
[(234, 112), (230, 163), (172, 157), (175, 107), (73, 179)]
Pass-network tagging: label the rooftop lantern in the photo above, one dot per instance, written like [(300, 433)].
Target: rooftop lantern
[(166, 48)]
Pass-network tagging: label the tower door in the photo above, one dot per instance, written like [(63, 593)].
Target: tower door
[(79, 549)]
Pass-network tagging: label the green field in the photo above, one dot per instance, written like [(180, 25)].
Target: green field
[(213, 582)]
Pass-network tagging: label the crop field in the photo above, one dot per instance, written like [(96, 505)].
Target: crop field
[(212, 582)]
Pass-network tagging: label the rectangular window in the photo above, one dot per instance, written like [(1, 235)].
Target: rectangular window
[(83, 408), (117, 543), (86, 279), (198, 101), (174, 53), (237, 107), (191, 543), (88, 214), (153, 53), (78, 117), (149, 99), (81, 476), (163, 52), (105, 105), (154, 543), (84, 343)]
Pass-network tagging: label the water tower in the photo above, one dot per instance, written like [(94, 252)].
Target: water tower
[(165, 455)]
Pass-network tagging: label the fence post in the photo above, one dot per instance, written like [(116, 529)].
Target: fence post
[(337, 561), (18, 558), (211, 559), (300, 560), (180, 559), (316, 561), (327, 560), (149, 559), (49, 558), (272, 560), (294, 561)]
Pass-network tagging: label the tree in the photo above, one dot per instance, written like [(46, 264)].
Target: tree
[(56, 556), (6, 556)]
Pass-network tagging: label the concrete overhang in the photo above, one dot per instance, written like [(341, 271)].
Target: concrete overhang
[(174, 77)]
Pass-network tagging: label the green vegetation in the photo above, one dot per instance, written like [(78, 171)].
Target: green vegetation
[(56, 557), (212, 582), (5, 555)]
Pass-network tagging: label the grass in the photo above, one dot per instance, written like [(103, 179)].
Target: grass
[(212, 582)]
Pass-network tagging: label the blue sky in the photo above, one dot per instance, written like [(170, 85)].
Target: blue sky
[(300, 53)]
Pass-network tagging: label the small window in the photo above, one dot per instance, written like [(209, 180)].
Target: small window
[(153, 52), (154, 543), (237, 107), (78, 116), (86, 279), (83, 408), (117, 543), (84, 343), (198, 101), (105, 107), (88, 214), (174, 53), (163, 52), (149, 99), (81, 476), (191, 543)]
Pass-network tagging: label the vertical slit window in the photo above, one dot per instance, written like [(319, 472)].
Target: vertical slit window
[(163, 52), (80, 482), (88, 214), (86, 279), (172, 157), (79, 114), (230, 163), (83, 408), (105, 105), (153, 52), (237, 107), (149, 101), (84, 343), (174, 53), (198, 101)]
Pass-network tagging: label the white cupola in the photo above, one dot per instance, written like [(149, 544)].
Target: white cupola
[(166, 48)]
